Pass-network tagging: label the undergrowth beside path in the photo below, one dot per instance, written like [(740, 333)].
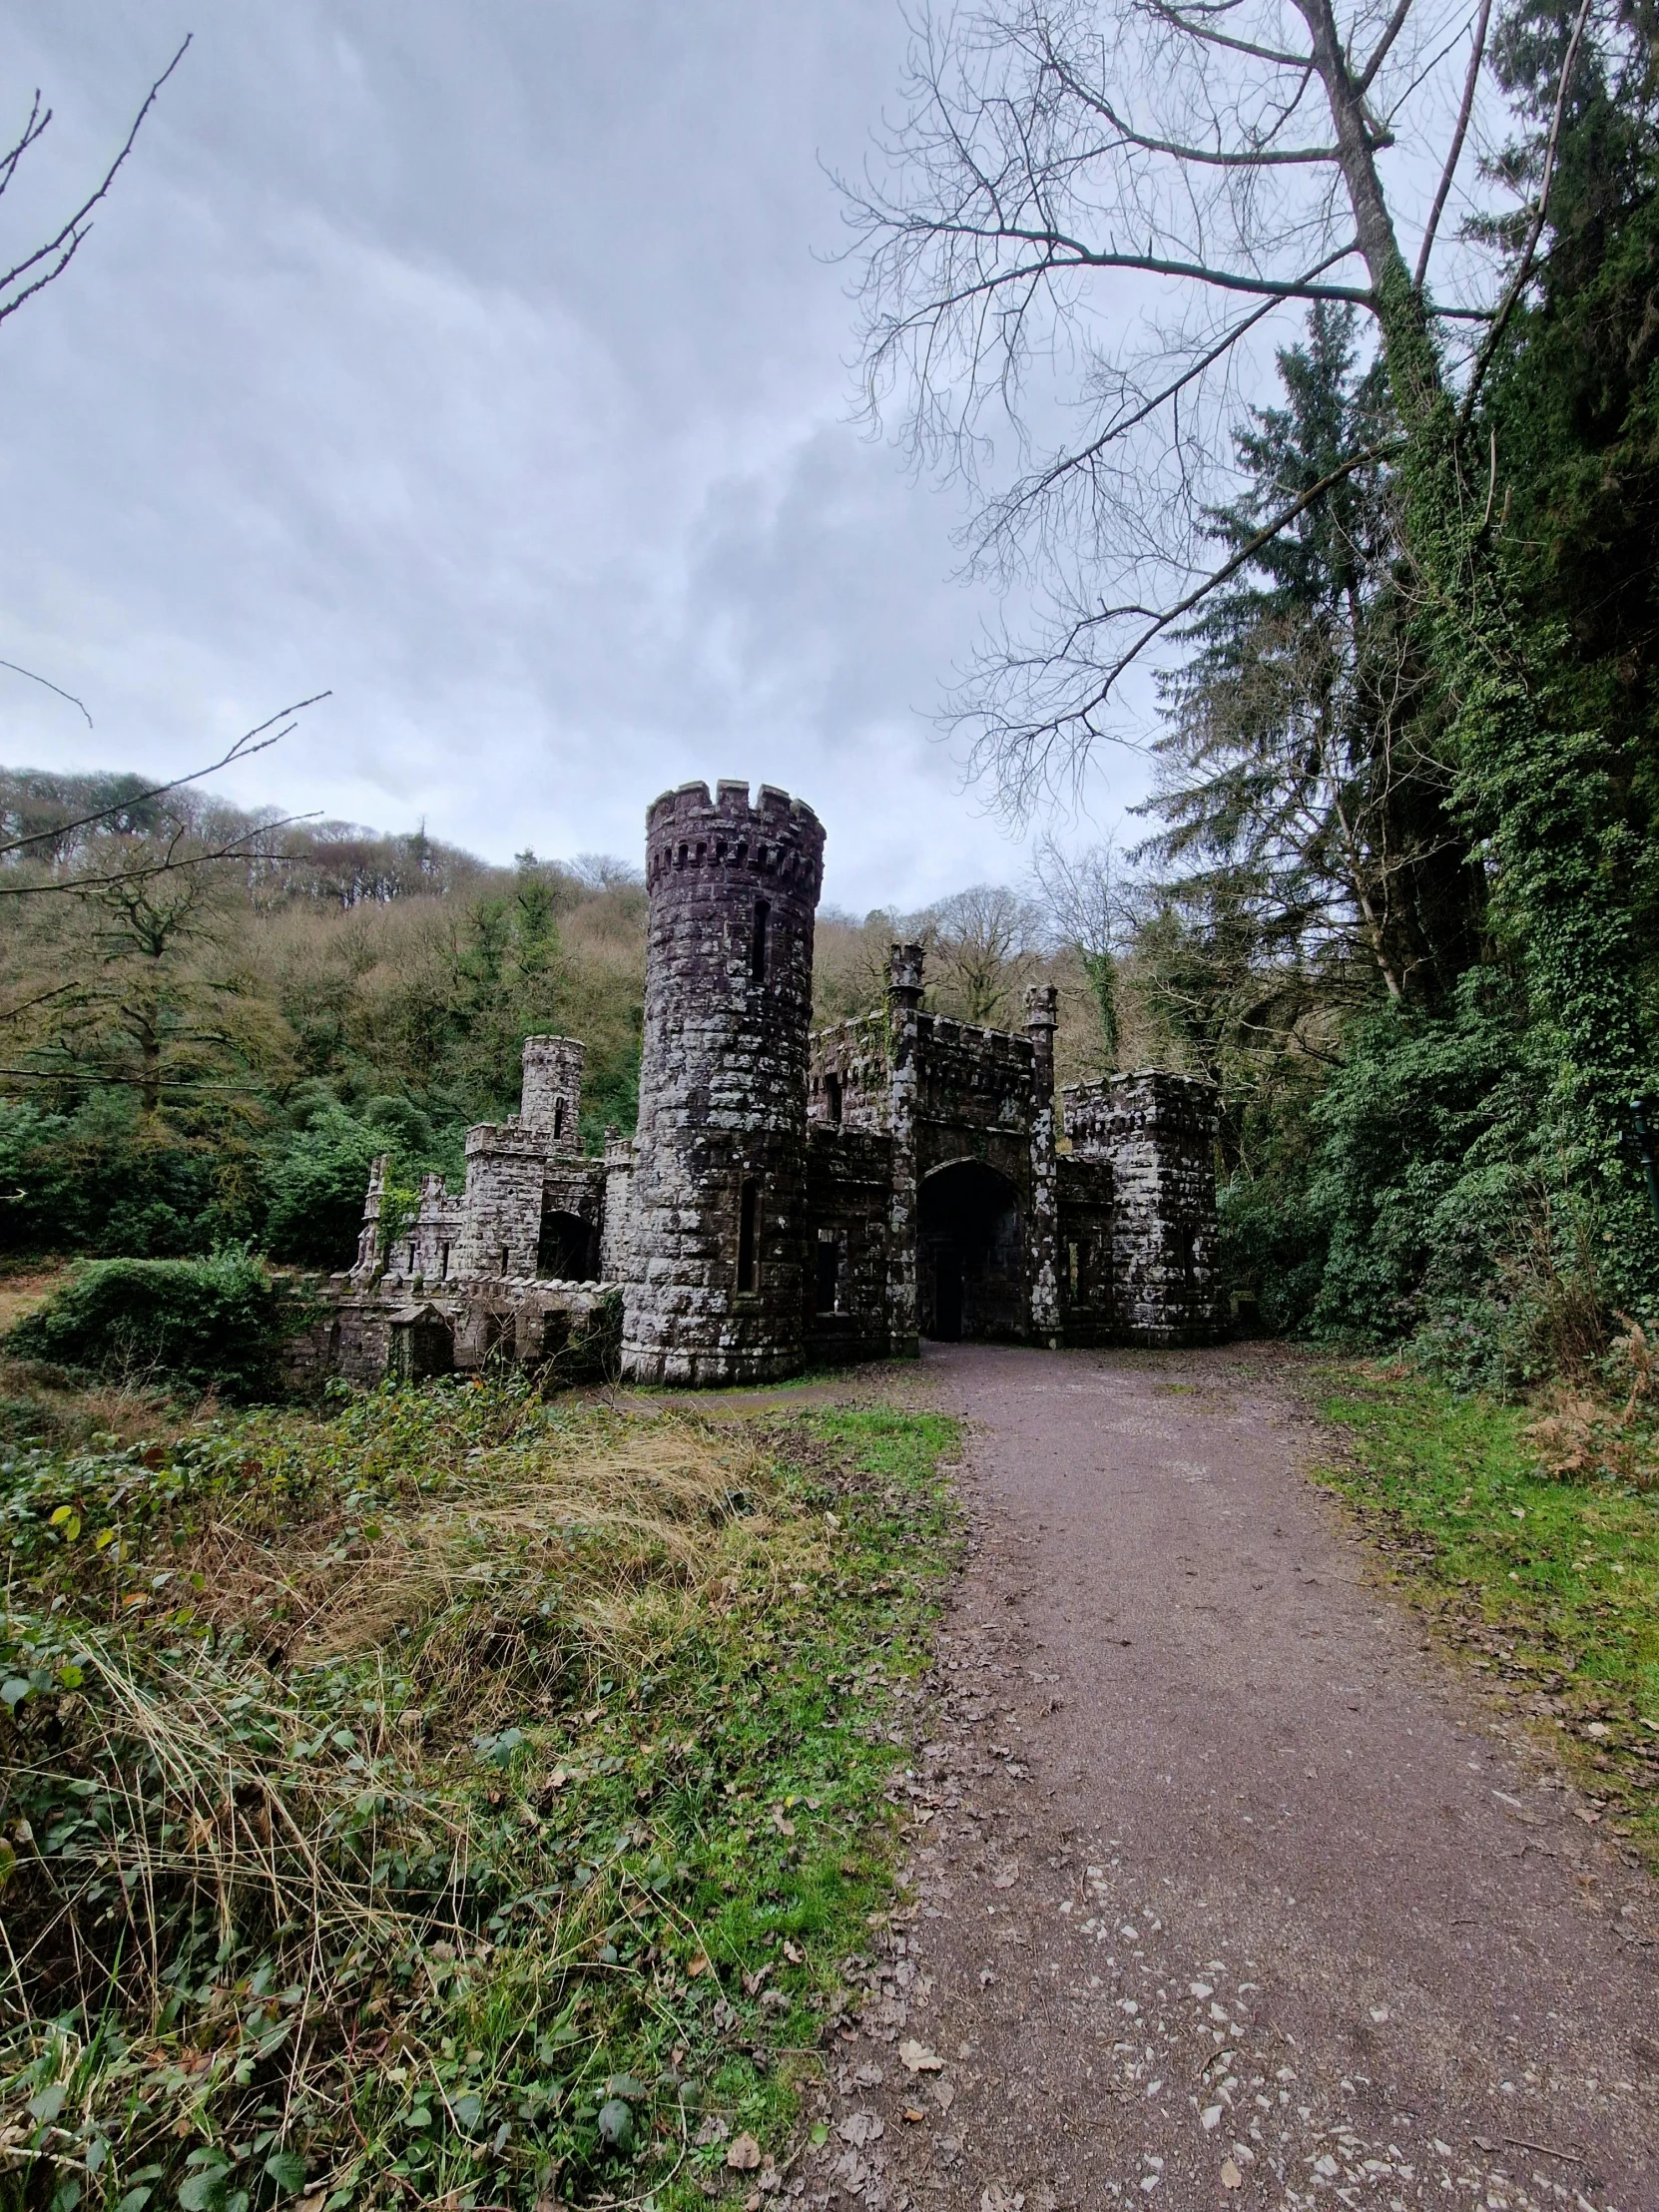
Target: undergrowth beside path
[(1550, 1585), (457, 1799)]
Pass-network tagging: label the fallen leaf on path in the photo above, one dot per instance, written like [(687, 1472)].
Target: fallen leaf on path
[(918, 2058), (1231, 2178), (697, 1965), (914, 2112), (860, 2128), (744, 2154)]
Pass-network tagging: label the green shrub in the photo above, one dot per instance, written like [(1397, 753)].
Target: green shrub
[(314, 1183), (103, 1179), (216, 1324)]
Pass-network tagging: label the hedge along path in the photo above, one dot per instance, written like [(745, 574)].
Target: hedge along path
[(1223, 1890)]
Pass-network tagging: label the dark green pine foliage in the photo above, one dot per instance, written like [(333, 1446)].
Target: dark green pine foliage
[(1369, 921), (1302, 786)]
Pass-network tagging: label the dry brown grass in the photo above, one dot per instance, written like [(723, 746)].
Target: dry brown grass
[(71, 1415), (24, 1288), (626, 1535)]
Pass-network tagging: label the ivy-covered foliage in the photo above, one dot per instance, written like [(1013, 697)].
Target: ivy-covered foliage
[(208, 1325)]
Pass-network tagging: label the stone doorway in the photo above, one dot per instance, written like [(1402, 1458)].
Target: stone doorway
[(564, 1251), (971, 1255)]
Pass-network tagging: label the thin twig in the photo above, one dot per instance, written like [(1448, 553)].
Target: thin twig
[(68, 239), (18, 669), (244, 750), (1523, 270), (1455, 153)]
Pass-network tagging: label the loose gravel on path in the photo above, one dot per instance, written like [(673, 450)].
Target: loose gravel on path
[(1225, 1891)]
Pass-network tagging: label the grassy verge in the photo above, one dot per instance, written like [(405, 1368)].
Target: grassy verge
[(1550, 1585), (457, 1800)]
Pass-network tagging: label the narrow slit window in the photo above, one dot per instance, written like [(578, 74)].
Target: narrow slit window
[(828, 1276), (558, 1117), (757, 942), (748, 1210), (443, 1268), (832, 1097)]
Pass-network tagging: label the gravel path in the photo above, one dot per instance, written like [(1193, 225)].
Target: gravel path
[(1225, 1891)]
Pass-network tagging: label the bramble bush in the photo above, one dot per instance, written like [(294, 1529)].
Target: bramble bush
[(210, 1325)]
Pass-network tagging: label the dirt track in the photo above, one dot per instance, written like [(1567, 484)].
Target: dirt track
[(1229, 1893)]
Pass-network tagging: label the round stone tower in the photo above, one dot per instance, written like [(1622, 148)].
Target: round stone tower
[(718, 1233)]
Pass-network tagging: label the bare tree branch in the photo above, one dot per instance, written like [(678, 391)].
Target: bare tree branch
[(60, 249), (1523, 268), (46, 680), (244, 750), (1454, 151), (1396, 24), (1080, 714)]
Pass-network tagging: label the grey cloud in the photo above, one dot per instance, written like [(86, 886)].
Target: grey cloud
[(476, 363)]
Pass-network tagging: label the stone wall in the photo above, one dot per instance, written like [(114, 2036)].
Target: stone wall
[(505, 1166), (849, 1195), (718, 1215), (850, 1078), (1157, 1133)]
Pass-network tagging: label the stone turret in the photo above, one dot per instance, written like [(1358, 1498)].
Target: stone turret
[(718, 1215), (551, 1097)]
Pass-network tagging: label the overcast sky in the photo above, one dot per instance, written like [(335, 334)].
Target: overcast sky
[(482, 365)]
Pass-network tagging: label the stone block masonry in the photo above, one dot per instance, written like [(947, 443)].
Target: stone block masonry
[(718, 1203), (790, 1197), (1156, 1131)]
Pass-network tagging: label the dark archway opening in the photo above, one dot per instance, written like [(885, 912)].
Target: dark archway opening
[(564, 1251), (970, 1255)]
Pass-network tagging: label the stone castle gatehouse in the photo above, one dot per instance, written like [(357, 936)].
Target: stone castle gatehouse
[(790, 1198)]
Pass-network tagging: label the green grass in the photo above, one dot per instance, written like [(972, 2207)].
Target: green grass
[(377, 1824), (1552, 1584)]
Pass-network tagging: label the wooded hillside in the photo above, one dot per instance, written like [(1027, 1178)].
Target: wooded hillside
[(213, 1025)]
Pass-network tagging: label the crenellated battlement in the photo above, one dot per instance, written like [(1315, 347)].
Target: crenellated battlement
[(779, 838), (514, 1137)]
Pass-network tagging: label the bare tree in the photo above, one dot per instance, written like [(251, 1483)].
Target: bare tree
[(1090, 210), (1094, 214), (1084, 896), (981, 948)]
